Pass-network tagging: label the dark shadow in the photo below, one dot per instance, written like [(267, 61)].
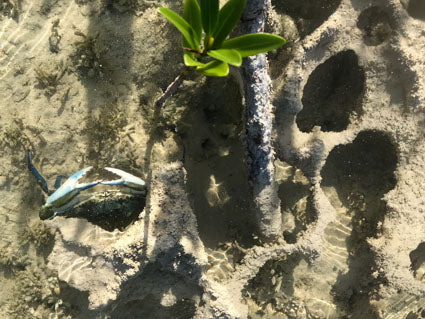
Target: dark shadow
[(375, 24), (76, 302), (150, 308), (416, 9), (173, 271), (216, 172), (296, 205), (417, 258), (334, 91), (361, 172), (308, 15), (262, 288), (110, 211), (301, 218)]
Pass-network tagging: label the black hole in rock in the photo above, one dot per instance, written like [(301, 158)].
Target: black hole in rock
[(375, 24), (307, 14), (417, 259), (416, 9), (333, 92)]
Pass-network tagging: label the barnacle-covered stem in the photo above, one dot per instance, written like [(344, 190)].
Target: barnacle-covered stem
[(258, 127)]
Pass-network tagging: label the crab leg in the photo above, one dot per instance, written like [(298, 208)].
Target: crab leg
[(126, 179), (37, 175)]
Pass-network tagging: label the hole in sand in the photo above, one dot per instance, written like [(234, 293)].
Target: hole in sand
[(308, 15), (375, 24), (355, 178), (333, 92), (417, 259), (416, 9)]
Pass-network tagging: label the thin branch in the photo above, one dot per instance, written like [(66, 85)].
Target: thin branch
[(172, 88)]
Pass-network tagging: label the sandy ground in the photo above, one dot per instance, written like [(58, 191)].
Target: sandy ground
[(78, 79)]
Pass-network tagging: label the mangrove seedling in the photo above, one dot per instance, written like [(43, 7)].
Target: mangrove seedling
[(206, 49)]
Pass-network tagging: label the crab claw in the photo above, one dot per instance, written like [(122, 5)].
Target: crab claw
[(126, 179), (70, 188)]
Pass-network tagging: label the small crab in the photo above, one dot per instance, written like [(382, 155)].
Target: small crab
[(67, 196)]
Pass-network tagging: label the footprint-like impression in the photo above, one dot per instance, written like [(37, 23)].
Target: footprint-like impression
[(355, 179), (333, 92)]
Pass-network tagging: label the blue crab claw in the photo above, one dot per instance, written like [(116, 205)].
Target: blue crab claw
[(126, 179), (63, 196)]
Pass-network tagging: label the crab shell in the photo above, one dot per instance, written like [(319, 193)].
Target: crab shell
[(67, 197), (64, 194)]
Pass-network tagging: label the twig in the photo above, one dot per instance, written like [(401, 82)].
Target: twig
[(172, 88)]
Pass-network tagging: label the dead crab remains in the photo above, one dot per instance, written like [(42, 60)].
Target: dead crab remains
[(110, 204)]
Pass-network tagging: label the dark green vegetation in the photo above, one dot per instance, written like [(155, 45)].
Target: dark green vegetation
[(205, 28)]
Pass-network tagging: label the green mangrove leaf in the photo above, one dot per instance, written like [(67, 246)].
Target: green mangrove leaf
[(254, 43), (189, 60), (182, 25), (226, 55), (228, 17), (192, 14), (214, 68), (209, 13)]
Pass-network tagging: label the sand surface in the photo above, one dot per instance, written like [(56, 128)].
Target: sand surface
[(78, 81)]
